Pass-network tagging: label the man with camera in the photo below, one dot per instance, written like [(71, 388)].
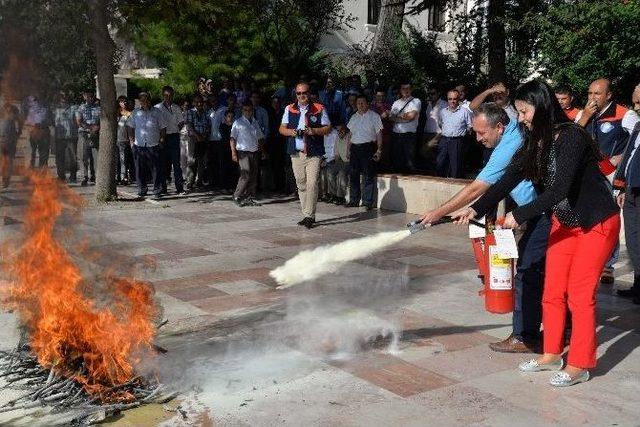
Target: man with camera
[(305, 124)]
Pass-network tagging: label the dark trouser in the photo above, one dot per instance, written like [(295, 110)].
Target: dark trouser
[(126, 168), (89, 147), (223, 169), (361, 162), (403, 146), (450, 161), (7, 154), (631, 212), (529, 279), (249, 163), (148, 160), (72, 158), (64, 152), (40, 140), (171, 158), (197, 160)]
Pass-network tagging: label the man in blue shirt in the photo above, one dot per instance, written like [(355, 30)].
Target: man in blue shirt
[(494, 129), (455, 122)]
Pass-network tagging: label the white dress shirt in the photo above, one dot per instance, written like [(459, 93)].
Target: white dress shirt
[(365, 127), (216, 117), (147, 125), (432, 124), (413, 104), (246, 134), (330, 141), (173, 117), (511, 112), (324, 121)]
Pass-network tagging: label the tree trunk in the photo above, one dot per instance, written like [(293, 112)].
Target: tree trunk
[(104, 48), (389, 23), (496, 36)]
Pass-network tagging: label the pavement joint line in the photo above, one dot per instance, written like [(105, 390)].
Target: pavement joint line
[(153, 202)]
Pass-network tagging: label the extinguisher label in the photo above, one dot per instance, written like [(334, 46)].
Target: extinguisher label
[(500, 271)]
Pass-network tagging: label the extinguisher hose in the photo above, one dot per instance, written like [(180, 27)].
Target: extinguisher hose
[(415, 226)]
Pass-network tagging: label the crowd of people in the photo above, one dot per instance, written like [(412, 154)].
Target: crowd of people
[(564, 170)]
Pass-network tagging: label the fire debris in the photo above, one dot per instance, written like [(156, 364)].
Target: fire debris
[(21, 371), (79, 353)]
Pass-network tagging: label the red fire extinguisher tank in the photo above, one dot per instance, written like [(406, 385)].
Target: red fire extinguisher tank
[(497, 274)]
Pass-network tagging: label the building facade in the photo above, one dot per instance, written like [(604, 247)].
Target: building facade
[(434, 21)]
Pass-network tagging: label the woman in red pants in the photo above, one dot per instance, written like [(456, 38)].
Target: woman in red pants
[(561, 159)]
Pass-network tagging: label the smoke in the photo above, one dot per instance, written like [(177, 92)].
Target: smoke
[(273, 353), (311, 264)]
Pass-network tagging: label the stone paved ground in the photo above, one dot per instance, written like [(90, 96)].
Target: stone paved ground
[(254, 355)]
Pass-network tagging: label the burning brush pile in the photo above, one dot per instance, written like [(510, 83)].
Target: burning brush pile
[(83, 340)]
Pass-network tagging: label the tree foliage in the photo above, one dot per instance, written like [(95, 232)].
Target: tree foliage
[(268, 40), (582, 40), (44, 47)]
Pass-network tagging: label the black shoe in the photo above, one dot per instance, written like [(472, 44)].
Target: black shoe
[(84, 182), (93, 180), (251, 202), (307, 222), (239, 202), (627, 293), (369, 207), (606, 278), (157, 196), (352, 205), (73, 179), (179, 190), (339, 201)]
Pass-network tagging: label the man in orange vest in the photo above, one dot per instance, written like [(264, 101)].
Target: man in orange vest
[(565, 98), (610, 124), (305, 124)]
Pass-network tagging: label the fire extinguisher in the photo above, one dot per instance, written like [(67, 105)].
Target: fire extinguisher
[(497, 274)]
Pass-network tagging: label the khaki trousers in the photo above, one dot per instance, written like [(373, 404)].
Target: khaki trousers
[(307, 173)]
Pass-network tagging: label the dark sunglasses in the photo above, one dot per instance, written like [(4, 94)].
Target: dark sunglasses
[(302, 93)]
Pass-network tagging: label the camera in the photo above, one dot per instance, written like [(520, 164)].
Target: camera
[(300, 133)]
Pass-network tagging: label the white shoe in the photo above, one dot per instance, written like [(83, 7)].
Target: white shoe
[(534, 366), (563, 379)]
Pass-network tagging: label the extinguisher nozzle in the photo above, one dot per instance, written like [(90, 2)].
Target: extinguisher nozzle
[(416, 226)]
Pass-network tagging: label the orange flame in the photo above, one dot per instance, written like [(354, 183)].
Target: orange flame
[(97, 344)]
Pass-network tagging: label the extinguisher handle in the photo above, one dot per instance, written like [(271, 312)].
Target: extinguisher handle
[(447, 219)]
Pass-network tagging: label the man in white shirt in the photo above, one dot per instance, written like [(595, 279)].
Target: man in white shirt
[(464, 102), (455, 122), (365, 150), (498, 93), (432, 131), (171, 147), (246, 145), (149, 129), (305, 125), (220, 160), (404, 113)]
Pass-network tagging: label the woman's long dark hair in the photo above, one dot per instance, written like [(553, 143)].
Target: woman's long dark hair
[(548, 117)]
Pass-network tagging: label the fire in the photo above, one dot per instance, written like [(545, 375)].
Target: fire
[(96, 343)]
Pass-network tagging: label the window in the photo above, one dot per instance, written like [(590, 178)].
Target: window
[(436, 18), (373, 11)]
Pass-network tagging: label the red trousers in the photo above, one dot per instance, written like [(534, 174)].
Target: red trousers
[(575, 259)]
